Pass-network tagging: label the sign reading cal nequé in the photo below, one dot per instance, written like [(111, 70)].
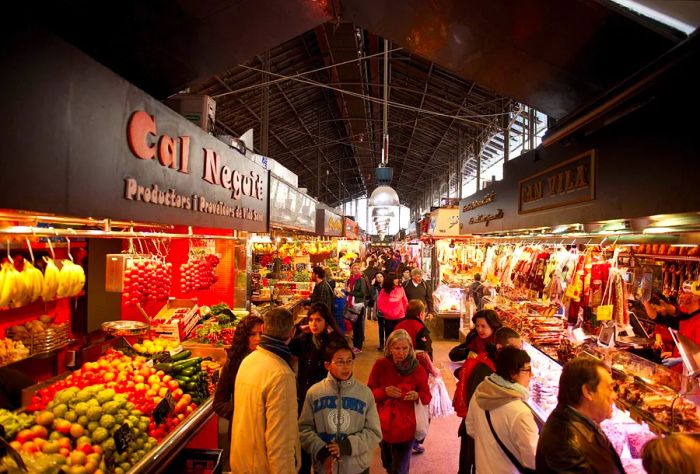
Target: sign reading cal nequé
[(567, 183), (109, 150)]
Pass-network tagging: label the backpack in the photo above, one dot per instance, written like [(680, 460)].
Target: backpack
[(460, 401)]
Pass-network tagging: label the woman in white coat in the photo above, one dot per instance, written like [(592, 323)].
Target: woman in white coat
[(501, 397)]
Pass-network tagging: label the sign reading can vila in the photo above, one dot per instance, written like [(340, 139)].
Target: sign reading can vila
[(351, 229), (328, 224), (567, 183), (244, 184)]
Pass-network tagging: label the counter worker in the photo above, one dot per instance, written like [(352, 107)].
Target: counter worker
[(417, 289), (686, 319)]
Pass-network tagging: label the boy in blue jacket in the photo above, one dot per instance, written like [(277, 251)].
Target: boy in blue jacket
[(339, 423)]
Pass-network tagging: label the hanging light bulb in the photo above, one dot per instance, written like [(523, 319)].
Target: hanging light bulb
[(384, 196)]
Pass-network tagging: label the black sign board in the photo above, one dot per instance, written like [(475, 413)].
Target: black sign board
[(7, 450), (110, 462), (163, 409), (119, 153), (163, 358), (126, 348), (123, 438)]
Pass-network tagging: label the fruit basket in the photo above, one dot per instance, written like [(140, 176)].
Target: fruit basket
[(51, 338)]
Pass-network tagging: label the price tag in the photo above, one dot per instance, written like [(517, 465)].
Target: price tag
[(110, 462), (7, 450), (163, 409), (163, 358), (215, 377), (604, 312), (123, 438)]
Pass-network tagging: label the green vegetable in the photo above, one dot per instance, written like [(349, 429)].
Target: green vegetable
[(182, 379), (181, 356), (218, 308), (188, 371), (191, 386), (165, 367), (183, 364)]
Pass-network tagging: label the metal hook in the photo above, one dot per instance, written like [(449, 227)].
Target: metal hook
[(53, 254), (68, 249), (29, 246), (9, 257)]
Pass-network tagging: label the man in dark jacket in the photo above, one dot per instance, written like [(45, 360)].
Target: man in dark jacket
[(417, 289), (323, 293), (571, 440), (504, 337)]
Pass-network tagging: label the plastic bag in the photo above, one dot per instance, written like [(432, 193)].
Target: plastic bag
[(441, 403), (422, 420)]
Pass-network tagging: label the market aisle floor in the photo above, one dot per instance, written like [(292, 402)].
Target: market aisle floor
[(442, 444)]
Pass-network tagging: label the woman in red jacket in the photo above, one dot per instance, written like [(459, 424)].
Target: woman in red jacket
[(392, 302), (398, 382)]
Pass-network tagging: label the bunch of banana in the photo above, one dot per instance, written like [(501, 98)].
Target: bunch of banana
[(34, 280), (71, 279), (51, 272), (8, 287)]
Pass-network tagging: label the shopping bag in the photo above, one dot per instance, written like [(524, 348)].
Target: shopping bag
[(441, 403), (352, 314), (422, 420)]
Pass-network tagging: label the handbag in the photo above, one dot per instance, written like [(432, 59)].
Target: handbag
[(352, 314), (422, 420), (440, 403), (511, 457)]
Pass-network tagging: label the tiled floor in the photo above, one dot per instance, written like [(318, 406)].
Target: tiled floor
[(442, 444)]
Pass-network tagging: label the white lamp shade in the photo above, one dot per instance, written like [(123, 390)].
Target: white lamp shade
[(384, 196)]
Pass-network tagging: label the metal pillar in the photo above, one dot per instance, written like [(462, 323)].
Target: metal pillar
[(265, 114), (506, 138), (477, 153), (531, 127)]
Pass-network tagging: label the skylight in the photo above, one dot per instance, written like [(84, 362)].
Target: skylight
[(674, 19)]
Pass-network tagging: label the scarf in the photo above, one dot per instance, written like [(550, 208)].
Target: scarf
[(501, 382), (407, 366), (351, 285), (479, 345), (277, 347)]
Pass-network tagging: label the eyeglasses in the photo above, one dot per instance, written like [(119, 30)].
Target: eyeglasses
[(529, 369), (343, 363)]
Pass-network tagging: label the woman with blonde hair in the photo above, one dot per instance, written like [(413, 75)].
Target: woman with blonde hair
[(673, 454), (398, 382)]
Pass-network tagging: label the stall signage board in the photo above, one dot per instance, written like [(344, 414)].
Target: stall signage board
[(119, 153), (567, 183), (351, 229), (328, 223), (290, 208), (444, 223)]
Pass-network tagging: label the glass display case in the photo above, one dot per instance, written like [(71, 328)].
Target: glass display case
[(449, 299), (626, 435)]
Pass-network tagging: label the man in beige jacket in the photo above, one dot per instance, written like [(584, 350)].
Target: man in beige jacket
[(265, 433)]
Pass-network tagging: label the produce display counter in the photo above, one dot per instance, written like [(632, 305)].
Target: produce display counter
[(162, 456)]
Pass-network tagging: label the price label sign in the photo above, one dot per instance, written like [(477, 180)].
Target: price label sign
[(215, 377), (163, 358), (123, 438), (604, 312), (163, 409)]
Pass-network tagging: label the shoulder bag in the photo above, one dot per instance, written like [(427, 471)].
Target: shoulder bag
[(511, 457)]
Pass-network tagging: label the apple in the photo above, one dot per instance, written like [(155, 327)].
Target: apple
[(25, 435), (29, 447), (62, 426), (39, 431)]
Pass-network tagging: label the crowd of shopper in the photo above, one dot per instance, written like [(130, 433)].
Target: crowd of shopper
[(296, 406)]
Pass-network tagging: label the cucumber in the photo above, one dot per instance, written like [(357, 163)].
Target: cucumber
[(191, 387), (165, 367), (181, 356), (183, 379), (183, 364), (188, 372)]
